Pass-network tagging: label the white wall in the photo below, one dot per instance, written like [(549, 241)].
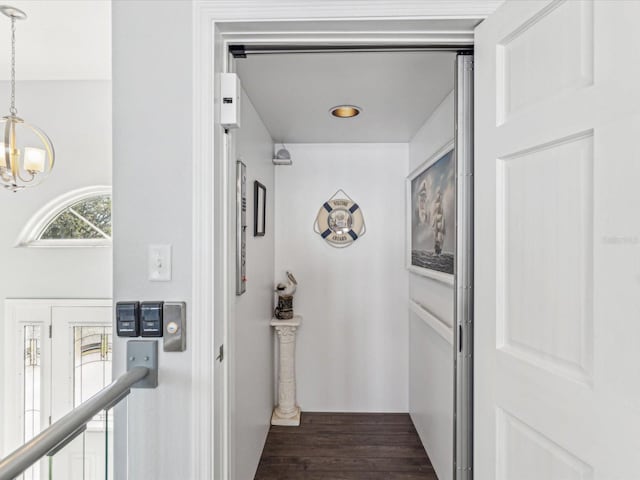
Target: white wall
[(77, 117), (431, 356), (252, 351), (352, 345), (152, 185)]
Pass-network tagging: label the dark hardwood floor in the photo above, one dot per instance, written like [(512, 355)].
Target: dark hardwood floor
[(346, 446)]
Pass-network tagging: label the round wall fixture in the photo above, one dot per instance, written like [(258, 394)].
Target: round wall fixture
[(345, 111), (340, 221)]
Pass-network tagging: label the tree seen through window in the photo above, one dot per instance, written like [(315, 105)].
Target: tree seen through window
[(87, 219)]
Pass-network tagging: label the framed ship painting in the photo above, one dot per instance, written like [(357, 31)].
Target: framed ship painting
[(431, 209)]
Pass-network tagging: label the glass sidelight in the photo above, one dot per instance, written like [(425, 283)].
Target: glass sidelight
[(32, 384)]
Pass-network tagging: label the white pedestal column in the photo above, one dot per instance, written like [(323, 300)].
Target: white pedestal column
[(287, 412)]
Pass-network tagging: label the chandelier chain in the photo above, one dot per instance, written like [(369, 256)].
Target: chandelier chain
[(13, 109)]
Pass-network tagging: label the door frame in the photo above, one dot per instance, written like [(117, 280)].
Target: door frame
[(216, 24)]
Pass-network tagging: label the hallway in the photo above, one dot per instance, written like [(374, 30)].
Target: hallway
[(346, 446)]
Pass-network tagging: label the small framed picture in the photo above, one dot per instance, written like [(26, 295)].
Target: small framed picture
[(259, 209)]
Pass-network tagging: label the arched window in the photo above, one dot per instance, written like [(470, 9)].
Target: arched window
[(87, 219), (78, 218)]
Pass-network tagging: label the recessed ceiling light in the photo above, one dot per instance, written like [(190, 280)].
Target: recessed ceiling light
[(345, 111)]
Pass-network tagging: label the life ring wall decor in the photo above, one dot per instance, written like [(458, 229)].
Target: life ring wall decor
[(340, 221)]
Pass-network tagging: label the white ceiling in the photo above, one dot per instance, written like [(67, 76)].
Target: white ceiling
[(396, 91), (60, 40)]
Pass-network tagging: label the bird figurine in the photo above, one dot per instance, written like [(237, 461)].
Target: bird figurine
[(288, 288), (285, 291)]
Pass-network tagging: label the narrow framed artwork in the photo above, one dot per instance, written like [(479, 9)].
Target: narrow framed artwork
[(431, 210), (259, 209)]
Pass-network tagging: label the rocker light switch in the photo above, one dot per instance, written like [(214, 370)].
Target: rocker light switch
[(159, 261)]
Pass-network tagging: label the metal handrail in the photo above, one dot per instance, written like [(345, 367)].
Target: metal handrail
[(57, 435)]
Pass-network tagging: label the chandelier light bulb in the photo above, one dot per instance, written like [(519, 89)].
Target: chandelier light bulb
[(34, 159), (26, 152)]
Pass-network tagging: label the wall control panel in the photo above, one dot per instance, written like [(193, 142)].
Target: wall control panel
[(230, 93), (154, 319), (128, 319), (151, 319), (241, 228), (175, 326)]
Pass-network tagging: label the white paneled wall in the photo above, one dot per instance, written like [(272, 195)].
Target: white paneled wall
[(431, 355), (353, 343)]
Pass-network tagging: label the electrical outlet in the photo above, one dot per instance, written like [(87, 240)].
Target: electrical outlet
[(159, 263)]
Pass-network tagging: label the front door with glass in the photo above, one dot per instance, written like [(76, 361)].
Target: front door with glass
[(60, 356)]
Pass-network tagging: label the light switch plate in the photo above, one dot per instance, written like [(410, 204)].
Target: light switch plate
[(159, 263)]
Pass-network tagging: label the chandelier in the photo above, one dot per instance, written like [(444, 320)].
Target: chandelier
[(26, 153)]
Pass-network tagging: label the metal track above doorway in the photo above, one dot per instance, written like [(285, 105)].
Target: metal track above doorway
[(241, 51)]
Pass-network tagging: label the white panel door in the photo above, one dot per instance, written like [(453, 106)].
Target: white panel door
[(557, 242)]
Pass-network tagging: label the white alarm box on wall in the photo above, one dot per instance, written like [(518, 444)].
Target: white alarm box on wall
[(230, 93)]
